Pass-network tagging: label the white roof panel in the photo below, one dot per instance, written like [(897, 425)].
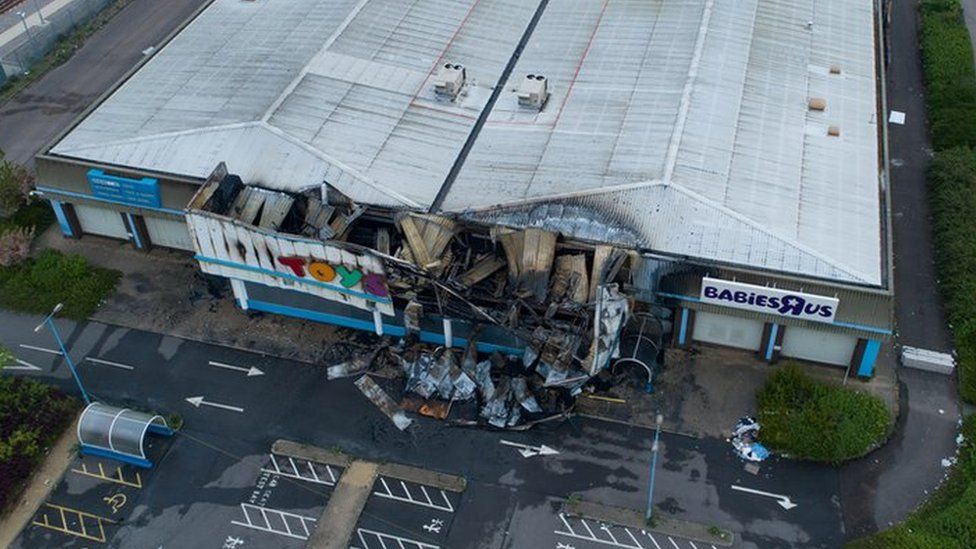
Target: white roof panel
[(676, 125)]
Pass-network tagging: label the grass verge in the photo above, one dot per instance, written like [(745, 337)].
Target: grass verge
[(38, 284), (63, 49), (807, 419), (32, 417), (948, 519)]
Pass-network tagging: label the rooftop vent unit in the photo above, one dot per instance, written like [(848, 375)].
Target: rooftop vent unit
[(533, 91), (449, 80)]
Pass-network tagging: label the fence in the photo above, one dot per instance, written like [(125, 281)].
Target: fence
[(17, 56)]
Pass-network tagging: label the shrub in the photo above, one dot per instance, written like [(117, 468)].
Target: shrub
[(950, 77), (16, 183), (808, 419), (952, 193), (948, 519), (15, 246), (32, 416), (37, 285)]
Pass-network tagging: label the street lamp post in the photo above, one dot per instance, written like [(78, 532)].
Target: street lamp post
[(49, 321), (654, 450)]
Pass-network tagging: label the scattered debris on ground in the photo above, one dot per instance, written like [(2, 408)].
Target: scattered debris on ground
[(744, 440)]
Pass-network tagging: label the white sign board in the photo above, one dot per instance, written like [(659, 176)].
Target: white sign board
[(239, 251), (763, 299)]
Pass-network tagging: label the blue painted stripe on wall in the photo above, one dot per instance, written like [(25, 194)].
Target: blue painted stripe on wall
[(870, 357), (73, 194), (683, 331), (62, 218), (367, 326), (309, 281), (773, 332)]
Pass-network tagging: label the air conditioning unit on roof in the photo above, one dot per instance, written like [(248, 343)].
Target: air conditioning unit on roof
[(449, 80), (533, 91)]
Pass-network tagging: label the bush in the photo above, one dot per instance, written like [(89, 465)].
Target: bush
[(948, 519), (32, 416), (950, 77), (15, 246), (952, 193), (37, 285), (808, 419), (16, 183)]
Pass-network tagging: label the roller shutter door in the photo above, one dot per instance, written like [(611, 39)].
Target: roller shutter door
[(818, 346), (168, 233), (101, 221), (731, 331)]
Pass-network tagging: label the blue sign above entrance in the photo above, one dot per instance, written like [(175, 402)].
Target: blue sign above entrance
[(137, 192)]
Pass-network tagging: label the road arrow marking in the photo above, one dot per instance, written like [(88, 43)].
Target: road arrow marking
[(109, 363), (530, 451), (783, 501), (40, 349), (22, 365), (197, 401), (252, 371)]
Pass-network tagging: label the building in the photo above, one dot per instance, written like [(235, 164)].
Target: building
[(735, 150)]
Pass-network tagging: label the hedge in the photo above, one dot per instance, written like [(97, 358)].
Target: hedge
[(818, 421), (952, 194), (948, 519), (950, 76), (32, 417), (37, 285)]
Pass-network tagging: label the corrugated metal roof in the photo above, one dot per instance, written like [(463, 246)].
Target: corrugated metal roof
[(680, 126)]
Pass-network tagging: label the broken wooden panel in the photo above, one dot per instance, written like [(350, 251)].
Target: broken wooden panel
[(512, 244), (427, 237), (569, 280), (533, 250), (342, 223), (317, 216), (600, 257), (383, 401), (481, 270), (276, 208)]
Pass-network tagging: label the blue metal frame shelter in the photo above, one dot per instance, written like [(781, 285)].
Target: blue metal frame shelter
[(118, 433)]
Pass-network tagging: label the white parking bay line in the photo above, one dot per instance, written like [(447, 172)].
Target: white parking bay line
[(395, 541), (259, 518), (109, 363), (40, 349), (23, 365), (419, 497)]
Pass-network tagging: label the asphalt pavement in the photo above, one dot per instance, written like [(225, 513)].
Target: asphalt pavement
[(33, 118), (199, 493)]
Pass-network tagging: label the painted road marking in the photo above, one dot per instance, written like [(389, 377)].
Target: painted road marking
[(198, 400), (118, 478), (72, 522), (613, 535), (395, 541), (275, 521), (41, 349), (22, 366), (251, 372), (109, 363), (783, 501), (287, 467), (421, 497), (530, 451)]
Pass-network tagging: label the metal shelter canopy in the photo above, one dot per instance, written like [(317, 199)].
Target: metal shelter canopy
[(118, 433)]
